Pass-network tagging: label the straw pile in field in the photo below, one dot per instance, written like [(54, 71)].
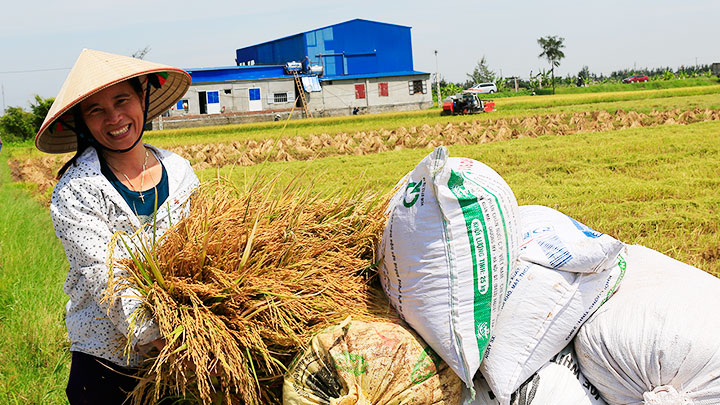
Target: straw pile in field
[(244, 281), (477, 131), (250, 152)]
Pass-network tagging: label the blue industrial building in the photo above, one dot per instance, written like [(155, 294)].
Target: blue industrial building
[(357, 65), (355, 47)]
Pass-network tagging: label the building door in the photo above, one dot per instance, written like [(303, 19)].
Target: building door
[(213, 102), (202, 101), (255, 101)]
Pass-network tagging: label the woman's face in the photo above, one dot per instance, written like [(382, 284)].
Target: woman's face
[(114, 116)]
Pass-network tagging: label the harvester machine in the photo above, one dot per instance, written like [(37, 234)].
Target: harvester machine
[(465, 103)]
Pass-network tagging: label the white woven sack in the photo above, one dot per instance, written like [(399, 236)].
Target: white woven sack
[(558, 382), (656, 340), (449, 243), (543, 311), (553, 239), (544, 307)]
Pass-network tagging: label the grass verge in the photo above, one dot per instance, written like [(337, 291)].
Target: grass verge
[(34, 357)]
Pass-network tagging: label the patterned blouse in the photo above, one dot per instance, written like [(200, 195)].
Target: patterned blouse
[(86, 211)]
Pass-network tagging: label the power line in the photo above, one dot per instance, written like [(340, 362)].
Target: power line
[(32, 71)]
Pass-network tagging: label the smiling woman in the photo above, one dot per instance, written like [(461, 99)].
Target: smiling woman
[(115, 115), (113, 184)]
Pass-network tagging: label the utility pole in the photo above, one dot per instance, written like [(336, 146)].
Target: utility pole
[(437, 80)]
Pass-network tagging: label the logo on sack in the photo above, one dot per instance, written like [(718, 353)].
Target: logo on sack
[(482, 331), (412, 192), (351, 362)]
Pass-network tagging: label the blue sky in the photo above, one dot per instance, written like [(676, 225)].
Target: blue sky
[(42, 38)]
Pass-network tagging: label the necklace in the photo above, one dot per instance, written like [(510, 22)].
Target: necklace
[(142, 177)]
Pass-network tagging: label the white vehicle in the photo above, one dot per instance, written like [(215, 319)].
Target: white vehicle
[(481, 88)]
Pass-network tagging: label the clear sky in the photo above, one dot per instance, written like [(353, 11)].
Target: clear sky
[(42, 38)]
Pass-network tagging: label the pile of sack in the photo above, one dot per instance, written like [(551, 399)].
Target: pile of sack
[(529, 306)]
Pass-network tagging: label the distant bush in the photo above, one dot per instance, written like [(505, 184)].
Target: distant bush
[(18, 125)]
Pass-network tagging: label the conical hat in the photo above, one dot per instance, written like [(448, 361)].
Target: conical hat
[(95, 71)]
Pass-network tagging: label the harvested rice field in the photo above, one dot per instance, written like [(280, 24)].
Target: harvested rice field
[(301, 204)]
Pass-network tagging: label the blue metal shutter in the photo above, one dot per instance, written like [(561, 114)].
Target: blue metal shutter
[(254, 94), (213, 97)]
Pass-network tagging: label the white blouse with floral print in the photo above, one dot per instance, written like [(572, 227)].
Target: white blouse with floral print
[(86, 211)]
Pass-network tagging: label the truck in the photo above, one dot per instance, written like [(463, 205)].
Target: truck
[(466, 103)]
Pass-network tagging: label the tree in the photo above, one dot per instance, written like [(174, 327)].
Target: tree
[(449, 89), (16, 124), (481, 73), (584, 73), (552, 51), (39, 110)]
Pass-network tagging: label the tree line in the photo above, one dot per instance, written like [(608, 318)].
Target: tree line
[(552, 51), (17, 125)]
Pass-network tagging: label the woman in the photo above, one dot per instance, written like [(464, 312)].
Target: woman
[(113, 183)]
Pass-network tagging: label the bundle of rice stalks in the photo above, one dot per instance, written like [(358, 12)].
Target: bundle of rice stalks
[(241, 284)]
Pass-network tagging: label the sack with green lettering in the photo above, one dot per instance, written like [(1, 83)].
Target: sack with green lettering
[(363, 363), (449, 243)]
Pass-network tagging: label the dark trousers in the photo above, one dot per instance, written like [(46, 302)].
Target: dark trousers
[(97, 381)]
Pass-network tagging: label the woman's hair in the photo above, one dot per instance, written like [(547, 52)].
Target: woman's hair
[(82, 133)]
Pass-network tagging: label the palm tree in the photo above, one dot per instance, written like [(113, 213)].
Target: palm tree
[(552, 46)]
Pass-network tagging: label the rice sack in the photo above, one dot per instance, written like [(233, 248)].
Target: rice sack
[(558, 382), (545, 307), (359, 363), (656, 340), (449, 243)]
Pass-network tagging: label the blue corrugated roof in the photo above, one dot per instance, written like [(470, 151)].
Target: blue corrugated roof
[(233, 73)]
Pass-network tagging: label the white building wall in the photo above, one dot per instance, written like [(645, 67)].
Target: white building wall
[(336, 98), (235, 96), (340, 94)]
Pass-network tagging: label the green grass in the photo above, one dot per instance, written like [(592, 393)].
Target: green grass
[(653, 186), (652, 84), (34, 357), (606, 87)]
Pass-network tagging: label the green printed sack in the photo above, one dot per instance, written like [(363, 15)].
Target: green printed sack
[(363, 363), (449, 244)]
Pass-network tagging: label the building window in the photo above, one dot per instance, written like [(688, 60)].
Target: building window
[(280, 98), (383, 89), (417, 87), (228, 91), (359, 91), (182, 105), (213, 97), (254, 94)]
